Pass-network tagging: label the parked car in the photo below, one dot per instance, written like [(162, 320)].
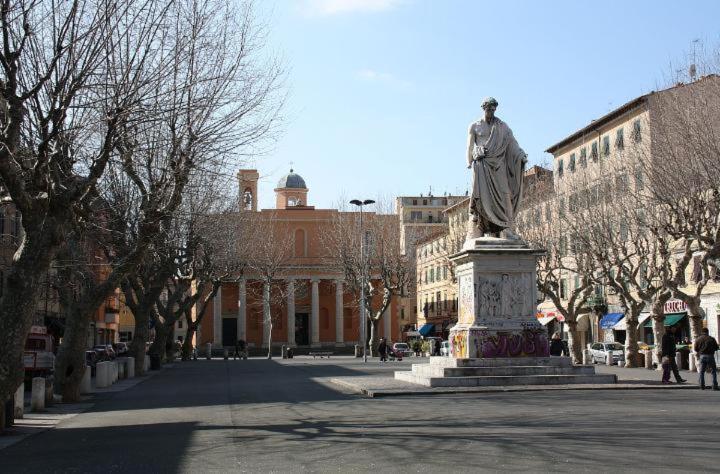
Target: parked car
[(121, 348), (104, 352), (445, 348), (39, 356), (402, 348), (600, 351)]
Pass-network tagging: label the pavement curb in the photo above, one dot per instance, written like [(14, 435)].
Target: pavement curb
[(419, 390)]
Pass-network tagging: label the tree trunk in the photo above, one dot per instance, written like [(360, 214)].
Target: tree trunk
[(157, 348), (187, 343), (70, 366), (695, 316), (657, 313), (140, 338), (19, 301), (373, 329), (270, 328), (631, 343), (576, 350)]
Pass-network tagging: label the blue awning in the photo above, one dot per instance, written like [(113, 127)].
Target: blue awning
[(610, 320), (426, 329)]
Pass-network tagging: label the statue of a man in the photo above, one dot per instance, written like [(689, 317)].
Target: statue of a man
[(498, 164)]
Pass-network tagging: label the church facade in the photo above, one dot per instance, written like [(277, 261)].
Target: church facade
[(308, 304)]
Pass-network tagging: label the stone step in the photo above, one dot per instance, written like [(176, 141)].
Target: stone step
[(495, 381), (427, 370), (501, 362)]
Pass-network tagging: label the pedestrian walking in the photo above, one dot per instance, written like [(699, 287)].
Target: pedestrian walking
[(557, 348), (667, 356), (382, 350), (239, 350), (705, 347)]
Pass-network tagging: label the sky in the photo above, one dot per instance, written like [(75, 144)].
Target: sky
[(381, 92)]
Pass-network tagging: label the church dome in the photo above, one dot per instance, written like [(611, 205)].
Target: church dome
[(292, 180)]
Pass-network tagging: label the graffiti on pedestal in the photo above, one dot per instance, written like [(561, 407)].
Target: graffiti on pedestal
[(525, 343)]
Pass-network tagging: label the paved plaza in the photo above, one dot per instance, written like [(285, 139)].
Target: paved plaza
[(288, 416)]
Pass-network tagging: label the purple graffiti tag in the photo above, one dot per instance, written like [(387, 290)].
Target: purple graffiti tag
[(515, 346)]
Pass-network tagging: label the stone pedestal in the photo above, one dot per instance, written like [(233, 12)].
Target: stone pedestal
[(37, 400), (86, 383), (130, 367), (497, 301)]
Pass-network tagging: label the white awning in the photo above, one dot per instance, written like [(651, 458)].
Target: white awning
[(545, 320), (621, 326), (642, 318)]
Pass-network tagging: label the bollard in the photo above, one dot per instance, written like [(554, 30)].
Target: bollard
[(37, 400), (208, 350), (102, 375), (692, 360), (121, 369), (146, 363), (225, 354), (586, 357), (86, 383), (609, 359), (648, 359), (283, 351), (621, 363), (49, 391), (678, 360), (113, 372), (130, 369), (19, 406)]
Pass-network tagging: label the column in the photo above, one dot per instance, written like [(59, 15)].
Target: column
[(315, 308), (339, 313), (266, 313), (291, 312), (217, 318), (242, 311), (387, 322)]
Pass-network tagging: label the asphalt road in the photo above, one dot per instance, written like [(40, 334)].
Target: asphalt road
[(282, 416)]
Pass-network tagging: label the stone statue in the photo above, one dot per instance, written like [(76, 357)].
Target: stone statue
[(498, 164)]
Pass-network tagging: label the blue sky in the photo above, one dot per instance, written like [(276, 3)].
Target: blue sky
[(381, 92)]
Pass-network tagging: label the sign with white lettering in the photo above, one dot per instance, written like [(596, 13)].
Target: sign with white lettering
[(675, 306)]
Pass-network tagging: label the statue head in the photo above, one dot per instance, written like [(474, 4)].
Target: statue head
[(489, 105)]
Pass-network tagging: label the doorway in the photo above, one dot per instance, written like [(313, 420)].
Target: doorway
[(229, 332), (302, 329)]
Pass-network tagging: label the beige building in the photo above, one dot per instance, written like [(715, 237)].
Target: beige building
[(599, 162), (420, 217)]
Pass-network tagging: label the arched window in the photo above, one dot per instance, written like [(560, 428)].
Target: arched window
[(247, 199), (300, 244)]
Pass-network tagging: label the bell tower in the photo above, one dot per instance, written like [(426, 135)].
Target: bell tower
[(248, 182)]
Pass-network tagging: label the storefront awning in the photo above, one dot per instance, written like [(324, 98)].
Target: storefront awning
[(670, 319), (545, 320), (426, 329), (610, 320)]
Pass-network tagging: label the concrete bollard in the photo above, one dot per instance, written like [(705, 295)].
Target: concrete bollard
[(586, 357), (648, 359), (121, 369), (102, 375), (678, 360), (86, 383), (693, 362), (146, 363), (130, 369), (208, 350), (609, 359), (621, 363), (283, 351), (37, 400), (19, 406), (49, 387)]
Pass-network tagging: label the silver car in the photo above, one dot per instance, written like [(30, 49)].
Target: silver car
[(600, 350)]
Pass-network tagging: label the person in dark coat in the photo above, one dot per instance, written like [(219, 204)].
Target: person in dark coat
[(667, 356), (705, 347), (382, 350), (557, 347)]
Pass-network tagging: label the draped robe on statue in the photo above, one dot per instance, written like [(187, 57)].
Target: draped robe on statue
[(498, 176)]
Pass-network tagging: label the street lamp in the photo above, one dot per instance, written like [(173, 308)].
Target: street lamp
[(363, 326)]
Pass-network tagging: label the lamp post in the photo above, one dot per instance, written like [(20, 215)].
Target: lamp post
[(363, 318)]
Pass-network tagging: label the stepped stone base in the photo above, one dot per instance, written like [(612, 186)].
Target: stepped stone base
[(449, 372)]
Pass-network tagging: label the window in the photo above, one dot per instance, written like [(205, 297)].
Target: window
[(619, 139), (445, 273), (561, 207), (562, 246), (424, 202), (571, 163), (681, 276), (415, 215), (402, 313), (697, 269), (577, 282), (560, 168), (414, 202), (606, 146), (594, 151), (637, 134), (438, 299), (180, 323), (639, 183), (583, 157), (432, 275)]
